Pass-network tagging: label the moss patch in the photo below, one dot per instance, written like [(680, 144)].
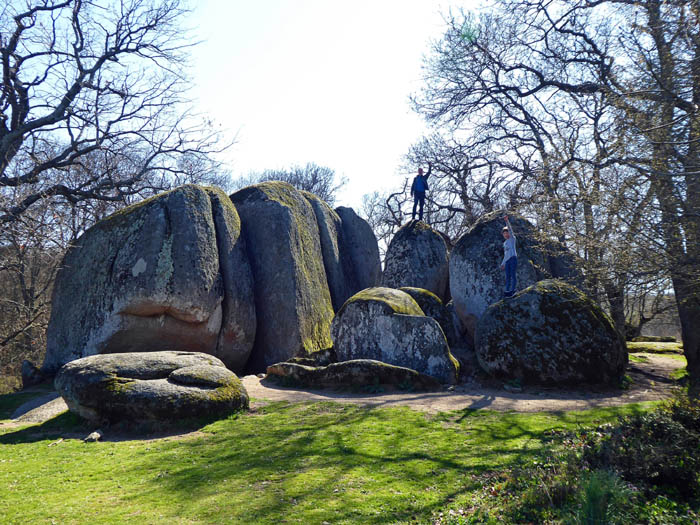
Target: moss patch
[(399, 302)]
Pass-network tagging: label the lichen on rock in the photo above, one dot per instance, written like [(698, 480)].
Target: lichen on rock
[(160, 274), (550, 333), (417, 257), (388, 325), (150, 387)]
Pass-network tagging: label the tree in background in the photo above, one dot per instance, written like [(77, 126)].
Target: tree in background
[(93, 117), (594, 107), (319, 180), (92, 78)]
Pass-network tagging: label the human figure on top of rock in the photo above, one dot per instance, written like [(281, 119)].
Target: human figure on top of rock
[(418, 189), (510, 259)]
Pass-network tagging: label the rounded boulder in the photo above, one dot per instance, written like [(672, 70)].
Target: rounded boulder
[(417, 257), (388, 325), (550, 333), (140, 387)]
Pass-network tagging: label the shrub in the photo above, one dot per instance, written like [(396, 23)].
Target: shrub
[(660, 449)]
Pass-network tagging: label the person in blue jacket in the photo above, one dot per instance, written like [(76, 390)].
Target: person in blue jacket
[(418, 189), (510, 259)]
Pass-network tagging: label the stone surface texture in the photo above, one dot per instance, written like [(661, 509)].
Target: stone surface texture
[(150, 387), (359, 247), (417, 257), (433, 307), (388, 325), (358, 372), (168, 273), (292, 298), (476, 280), (550, 333)]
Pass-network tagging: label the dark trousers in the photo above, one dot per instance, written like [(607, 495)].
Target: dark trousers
[(418, 199), (511, 278)]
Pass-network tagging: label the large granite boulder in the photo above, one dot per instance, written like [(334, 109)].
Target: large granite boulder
[(417, 257), (550, 333), (150, 387), (476, 279), (170, 272), (292, 299), (358, 372), (388, 325), (360, 248)]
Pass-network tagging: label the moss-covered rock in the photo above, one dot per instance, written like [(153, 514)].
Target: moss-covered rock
[(388, 325), (358, 372), (550, 333), (293, 302), (168, 272), (417, 257), (150, 387), (340, 251), (476, 279)]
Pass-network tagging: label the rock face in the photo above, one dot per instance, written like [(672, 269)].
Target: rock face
[(357, 372), (360, 248), (168, 273), (150, 387), (476, 280), (550, 333), (417, 257), (433, 307), (31, 375), (388, 325), (292, 299)]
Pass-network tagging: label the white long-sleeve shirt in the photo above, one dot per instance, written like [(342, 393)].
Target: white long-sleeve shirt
[(509, 245)]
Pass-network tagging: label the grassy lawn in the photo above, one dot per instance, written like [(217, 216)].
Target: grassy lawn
[(655, 348), (285, 463)]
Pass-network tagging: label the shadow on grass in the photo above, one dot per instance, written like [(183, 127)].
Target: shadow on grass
[(340, 463), (63, 425)]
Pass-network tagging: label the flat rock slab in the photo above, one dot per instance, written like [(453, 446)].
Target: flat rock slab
[(150, 387), (358, 372), (40, 409)]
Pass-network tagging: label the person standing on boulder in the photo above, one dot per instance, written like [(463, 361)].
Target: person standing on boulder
[(418, 189), (510, 259)]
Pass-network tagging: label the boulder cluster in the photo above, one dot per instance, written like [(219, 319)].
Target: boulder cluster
[(184, 289)]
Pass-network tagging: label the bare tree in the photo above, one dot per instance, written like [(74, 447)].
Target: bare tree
[(319, 180), (595, 105), (81, 77)]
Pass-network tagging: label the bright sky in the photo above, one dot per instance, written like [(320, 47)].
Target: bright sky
[(324, 81)]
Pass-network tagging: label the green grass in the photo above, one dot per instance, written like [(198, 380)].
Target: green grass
[(286, 463), (655, 348)]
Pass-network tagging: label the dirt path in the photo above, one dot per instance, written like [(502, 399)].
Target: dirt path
[(650, 382)]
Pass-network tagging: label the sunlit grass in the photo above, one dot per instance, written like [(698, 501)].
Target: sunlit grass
[(300, 463)]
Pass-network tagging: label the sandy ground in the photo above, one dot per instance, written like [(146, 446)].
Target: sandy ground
[(650, 382)]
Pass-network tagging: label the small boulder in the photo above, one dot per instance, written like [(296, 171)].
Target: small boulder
[(31, 375), (550, 333), (150, 387), (293, 302), (388, 325), (357, 372), (417, 257)]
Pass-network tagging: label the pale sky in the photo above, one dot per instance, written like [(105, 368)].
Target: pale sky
[(316, 81)]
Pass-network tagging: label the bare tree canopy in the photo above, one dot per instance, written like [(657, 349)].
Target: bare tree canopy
[(585, 115), (319, 180), (92, 78)]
